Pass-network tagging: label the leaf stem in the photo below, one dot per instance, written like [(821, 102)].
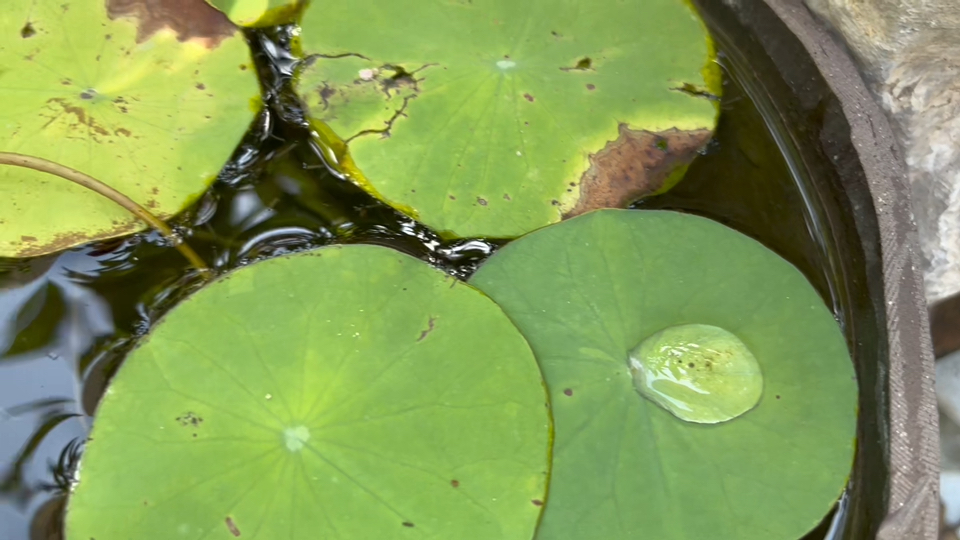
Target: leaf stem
[(91, 183)]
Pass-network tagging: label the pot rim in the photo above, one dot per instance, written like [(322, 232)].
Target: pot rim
[(912, 445)]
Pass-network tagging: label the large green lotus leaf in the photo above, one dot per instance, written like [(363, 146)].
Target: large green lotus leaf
[(147, 100), (496, 117), (257, 12), (351, 392), (587, 291)]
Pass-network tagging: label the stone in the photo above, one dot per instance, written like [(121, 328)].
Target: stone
[(909, 51)]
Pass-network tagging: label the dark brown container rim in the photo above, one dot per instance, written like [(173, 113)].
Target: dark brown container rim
[(889, 238)]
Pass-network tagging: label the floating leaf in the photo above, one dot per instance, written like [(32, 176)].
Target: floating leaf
[(587, 291), (258, 12), (149, 101), (496, 117), (350, 392)]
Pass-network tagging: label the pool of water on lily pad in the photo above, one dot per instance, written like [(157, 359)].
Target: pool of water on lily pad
[(66, 320)]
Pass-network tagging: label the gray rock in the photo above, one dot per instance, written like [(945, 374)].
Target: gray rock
[(910, 52)]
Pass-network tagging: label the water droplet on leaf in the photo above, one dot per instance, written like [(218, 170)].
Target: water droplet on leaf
[(698, 372)]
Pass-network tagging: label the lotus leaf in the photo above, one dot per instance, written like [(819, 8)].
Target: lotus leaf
[(150, 102), (587, 291), (496, 117), (257, 12), (350, 392)]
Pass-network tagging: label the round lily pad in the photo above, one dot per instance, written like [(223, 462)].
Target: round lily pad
[(587, 291), (496, 117), (350, 392), (148, 100)]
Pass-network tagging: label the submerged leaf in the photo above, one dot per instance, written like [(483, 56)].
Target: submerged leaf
[(586, 292), (148, 98), (36, 322), (496, 117), (351, 392)]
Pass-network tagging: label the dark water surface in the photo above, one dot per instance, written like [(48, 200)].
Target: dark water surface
[(66, 320)]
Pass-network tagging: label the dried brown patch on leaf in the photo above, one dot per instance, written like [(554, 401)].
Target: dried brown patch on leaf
[(34, 248), (635, 165), (76, 118), (232, 527), (190, 19), (384, 132), (393, 83)]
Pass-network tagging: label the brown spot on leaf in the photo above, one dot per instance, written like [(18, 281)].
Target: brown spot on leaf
[(425, 333), (28, 238), (190, 19), (635, 165), (123, 131), (388, 124), (201, 86), (696, 91), (528, 97), (591, 87), (189, 419), (81, 118), (27, 31), (583, 64), (481, 201), (568, 391), (455, 483), (63, 241), (326, 93), (537, 502), (407, 524), (231, 526), (401, 79)]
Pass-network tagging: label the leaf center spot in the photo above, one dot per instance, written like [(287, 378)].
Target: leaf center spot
[(506, 64), (296, 437)]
